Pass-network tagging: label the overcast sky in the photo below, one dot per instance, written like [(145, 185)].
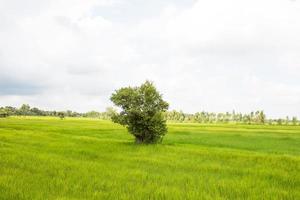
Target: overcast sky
[(212, 55)]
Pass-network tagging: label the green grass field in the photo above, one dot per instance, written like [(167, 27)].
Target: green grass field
[(49, 158)]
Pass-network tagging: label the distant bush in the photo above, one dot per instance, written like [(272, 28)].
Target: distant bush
[(295, 121), (61, 115), (3, 114), (109, 112)]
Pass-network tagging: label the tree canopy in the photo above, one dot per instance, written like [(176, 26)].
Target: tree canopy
[(141, 112)]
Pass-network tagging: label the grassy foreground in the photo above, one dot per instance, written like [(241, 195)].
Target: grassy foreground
[(48, 158)]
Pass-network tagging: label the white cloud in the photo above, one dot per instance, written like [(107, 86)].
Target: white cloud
[(203, 55)]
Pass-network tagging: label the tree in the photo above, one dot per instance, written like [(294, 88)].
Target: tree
[(279, 121), (93, 114), (36, 111), (294, 120), (261, 117), (24, 109), (61, 115), (3, 113), (110, 112), (141, 112), (287, 120)]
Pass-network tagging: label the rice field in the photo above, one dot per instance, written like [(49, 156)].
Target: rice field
[(75, 158)]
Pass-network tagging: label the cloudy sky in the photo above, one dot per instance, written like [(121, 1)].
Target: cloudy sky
[(212, 55)]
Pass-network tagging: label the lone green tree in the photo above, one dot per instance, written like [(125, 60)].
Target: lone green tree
[(141, 112)]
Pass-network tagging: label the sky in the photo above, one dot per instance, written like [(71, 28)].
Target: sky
[(211, 55)]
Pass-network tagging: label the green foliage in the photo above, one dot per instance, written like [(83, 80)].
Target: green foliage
[(3, 113), (110, 112), (78, 158), (93, 114), (257, 117), (101, 115), (295, 121), (61, 115), (142, 112), (25, 109)]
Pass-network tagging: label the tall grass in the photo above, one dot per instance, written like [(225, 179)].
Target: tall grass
[(49, 158)]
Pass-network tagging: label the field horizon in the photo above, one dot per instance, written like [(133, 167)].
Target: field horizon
[(82, 158)]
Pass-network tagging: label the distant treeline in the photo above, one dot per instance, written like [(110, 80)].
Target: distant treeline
[(26, 110), (257, 117)]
